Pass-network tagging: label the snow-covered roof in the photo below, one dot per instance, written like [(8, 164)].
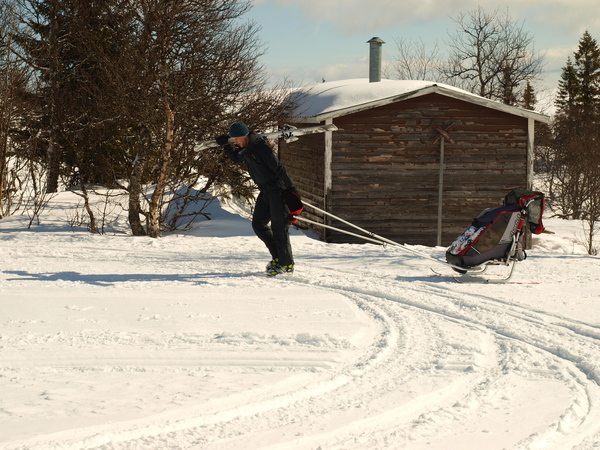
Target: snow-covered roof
[(339, 98)]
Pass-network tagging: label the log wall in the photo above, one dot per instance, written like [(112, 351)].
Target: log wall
[(386, 164)]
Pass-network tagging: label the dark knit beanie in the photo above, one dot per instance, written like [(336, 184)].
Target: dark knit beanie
[(238, 129)]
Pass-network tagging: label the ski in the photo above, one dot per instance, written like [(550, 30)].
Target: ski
[(287, 133), (473, 270)]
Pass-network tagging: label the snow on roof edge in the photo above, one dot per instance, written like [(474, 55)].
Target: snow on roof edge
[(338, 98)]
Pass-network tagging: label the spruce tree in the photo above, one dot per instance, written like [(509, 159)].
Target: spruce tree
[(568, 88), (579, 85), (529, 100), (70, 43), (575, 166), (587, 66)]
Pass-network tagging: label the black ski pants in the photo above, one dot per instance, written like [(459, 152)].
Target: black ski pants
[(270, 207)]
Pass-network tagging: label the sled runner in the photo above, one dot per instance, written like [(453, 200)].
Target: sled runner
[(495, 237)]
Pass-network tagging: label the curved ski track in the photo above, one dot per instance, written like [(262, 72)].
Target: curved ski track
[(375, 401), (378, 401)]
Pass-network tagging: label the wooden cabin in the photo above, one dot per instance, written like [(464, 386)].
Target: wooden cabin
[(413, 161)]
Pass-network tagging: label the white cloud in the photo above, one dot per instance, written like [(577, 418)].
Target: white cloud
[(340, 71), (570, 16), (556, 57), (362, 16), (329, 72)]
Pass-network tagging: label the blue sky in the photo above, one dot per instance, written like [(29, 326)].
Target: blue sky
[(308, 40)]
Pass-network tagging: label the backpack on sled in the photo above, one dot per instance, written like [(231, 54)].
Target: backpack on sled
[(496, 235)]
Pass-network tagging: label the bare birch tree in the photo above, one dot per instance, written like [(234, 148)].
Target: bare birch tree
[(492, 55), (414, 61), (489, 54)]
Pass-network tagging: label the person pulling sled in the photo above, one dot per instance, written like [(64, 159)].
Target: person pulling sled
[(275, 187)]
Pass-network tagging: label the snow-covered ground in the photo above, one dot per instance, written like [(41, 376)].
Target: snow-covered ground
[(120, 342)]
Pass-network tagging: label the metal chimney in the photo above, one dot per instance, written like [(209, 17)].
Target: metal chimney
[(375, 51)]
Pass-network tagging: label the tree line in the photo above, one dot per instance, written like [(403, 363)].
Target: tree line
[(117, 93), (570, 148)]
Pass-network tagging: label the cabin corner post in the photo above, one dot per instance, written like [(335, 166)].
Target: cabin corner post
[(530, 163), (440, 194), (327, 175), (530, 151)]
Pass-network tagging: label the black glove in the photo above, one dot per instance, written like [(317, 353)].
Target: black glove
[(223, 139), (293, 201)]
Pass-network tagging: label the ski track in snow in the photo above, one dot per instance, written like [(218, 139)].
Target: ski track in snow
[(438, 364)]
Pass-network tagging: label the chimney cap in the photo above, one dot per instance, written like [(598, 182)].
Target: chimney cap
[(376, 40)]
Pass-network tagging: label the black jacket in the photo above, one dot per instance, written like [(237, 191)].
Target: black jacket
[(263, 166)]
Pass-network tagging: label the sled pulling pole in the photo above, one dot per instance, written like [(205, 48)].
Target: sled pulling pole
[(375, 241), (372, 236), (287, 133)]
